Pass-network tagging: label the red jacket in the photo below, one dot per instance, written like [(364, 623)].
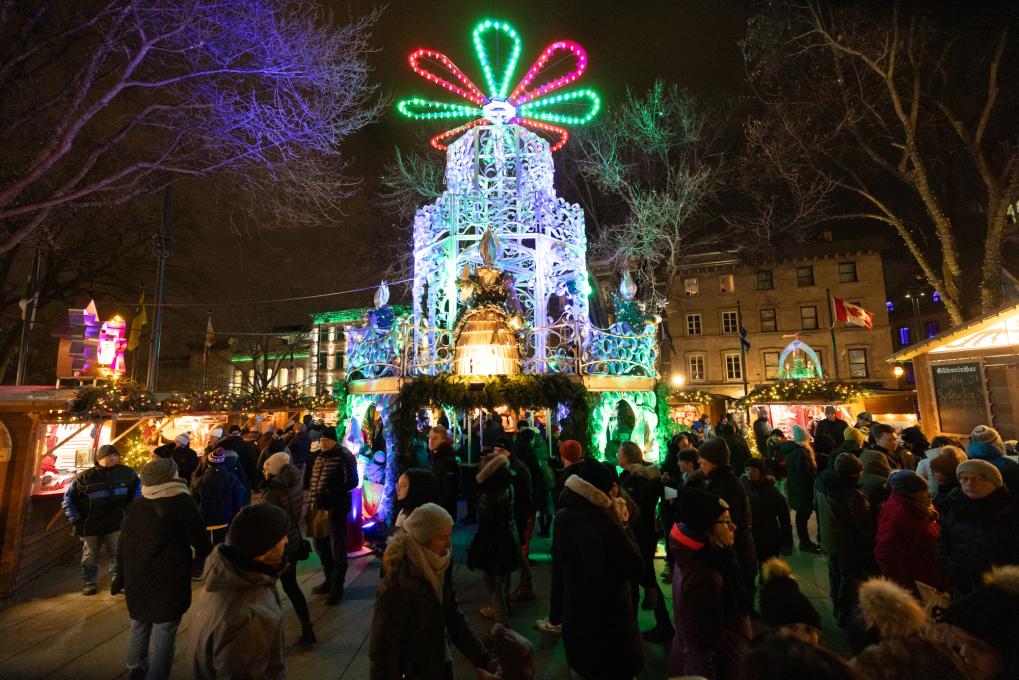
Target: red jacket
[(906, 540)]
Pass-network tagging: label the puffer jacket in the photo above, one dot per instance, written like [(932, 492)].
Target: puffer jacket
[(724, 484), (772, 530), (97, 498), (976, 534), (906, 540), (332, 479), (599, 562), (410, 625), (237, 623), (286, 491), (219, 495)]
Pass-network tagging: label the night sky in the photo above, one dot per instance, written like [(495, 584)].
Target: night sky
[(629, 45)]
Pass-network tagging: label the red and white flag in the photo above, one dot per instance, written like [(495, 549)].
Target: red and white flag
[(210, 338), (858, 316)]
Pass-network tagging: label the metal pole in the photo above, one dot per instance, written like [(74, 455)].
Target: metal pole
[(208, 350), (916, 316), (29, 319), (163, 243), (831, 328)]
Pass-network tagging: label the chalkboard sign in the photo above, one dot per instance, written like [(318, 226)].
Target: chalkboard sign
[(961, 397)]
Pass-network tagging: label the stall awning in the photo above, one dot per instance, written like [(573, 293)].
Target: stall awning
[(997, 329)]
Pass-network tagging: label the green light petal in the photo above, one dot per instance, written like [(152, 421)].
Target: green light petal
[(497, 90), (536, 108), (426, 109)]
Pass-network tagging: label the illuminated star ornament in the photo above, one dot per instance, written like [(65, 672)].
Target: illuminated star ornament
[(530, 103)]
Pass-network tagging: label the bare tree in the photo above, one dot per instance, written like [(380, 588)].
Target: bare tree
[(120, 97), (898, 108), (269, 352)]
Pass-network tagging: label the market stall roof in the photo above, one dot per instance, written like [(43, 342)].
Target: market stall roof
[(997, 329), (35, 396)]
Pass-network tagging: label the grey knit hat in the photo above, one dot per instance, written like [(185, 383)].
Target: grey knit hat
[(981, 467), (158, 471), (427, 522)]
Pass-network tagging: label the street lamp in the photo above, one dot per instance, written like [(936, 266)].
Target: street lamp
[(678, 380), (899, 371)]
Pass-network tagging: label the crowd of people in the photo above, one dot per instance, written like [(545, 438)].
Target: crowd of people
[(920, 540)]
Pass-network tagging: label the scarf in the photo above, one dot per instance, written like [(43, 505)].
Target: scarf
[(432, 567), (165, 490), (735, 600)]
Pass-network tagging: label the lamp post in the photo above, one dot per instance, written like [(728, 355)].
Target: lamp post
[(914, 297), (163, 244)]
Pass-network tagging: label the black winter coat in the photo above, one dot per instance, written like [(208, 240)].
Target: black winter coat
[(523, 500), (410, 625), (445, 467), (976, 534), (725, 484), (300, 449), (843, 447), (599, 563), (772, 530), (739, 452), (155, 555), (97, 498), (644, 485), (495, 546), (286, 491), (332, 479), (184, 456), (832, 428), (219, 495), (247, 454)]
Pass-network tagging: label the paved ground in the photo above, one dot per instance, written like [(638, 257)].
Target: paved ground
[(49, 630)]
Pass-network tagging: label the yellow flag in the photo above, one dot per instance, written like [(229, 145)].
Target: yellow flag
[(137, 324)]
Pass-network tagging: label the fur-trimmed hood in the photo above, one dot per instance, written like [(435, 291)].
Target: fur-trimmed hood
[(588, 492), (490, 467), (891, 609), (646, 471)]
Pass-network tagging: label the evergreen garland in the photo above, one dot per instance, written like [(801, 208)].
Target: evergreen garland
[(802, 390)]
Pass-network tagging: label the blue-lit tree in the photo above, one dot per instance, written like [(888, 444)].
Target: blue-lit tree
[(121, 97)]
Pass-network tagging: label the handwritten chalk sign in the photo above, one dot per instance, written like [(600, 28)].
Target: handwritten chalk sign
[(961, 397)]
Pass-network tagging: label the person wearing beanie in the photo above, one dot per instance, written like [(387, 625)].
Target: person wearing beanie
[(923, 468), (874, 480), (832, 425), (94, 504), (495, 547), (219, 494), (284, 488), (903, 649), (599, 564), (801, 473), (416, 612), (907, 534), (772, 530), (942, 470), (642, 484), (181, 452), (784, 606), (853, 441), (979, 526), (847, 536), (237, 625), (245, 463), (709, 594), (985, 625), (446, 468), (720, 480), (160, 531), (333, 477), (985, 444)]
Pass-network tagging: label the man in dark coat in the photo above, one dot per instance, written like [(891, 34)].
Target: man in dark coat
[(95, 503), (762, 430), (445, 467), (772, 530), (219, 495), (643, 484), (739, 450), (599, 563), (247, 455), (160, 529), (832, 425), (523, 515), (332, 479), (300, 449), (886, 441), (182, 454), (723, 482)]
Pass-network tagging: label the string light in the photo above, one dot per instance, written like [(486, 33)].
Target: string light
[(472, 93), (498, 91), (534, 109), (520, 95), (440, 109)]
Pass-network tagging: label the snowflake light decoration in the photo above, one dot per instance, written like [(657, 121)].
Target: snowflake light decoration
[(528, 104)]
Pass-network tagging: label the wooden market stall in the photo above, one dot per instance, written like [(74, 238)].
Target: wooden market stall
[(969, 376)]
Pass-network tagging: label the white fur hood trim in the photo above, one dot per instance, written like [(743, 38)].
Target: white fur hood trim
[(489, 468), (588, 492)]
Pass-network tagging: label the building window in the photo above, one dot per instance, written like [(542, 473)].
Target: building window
[(808, 318), (933, 328), (904, 335), (890, 306), (771, 365), (730, 324), (690, 286), (847, 272), (693, 324), (696, 366), (765, 280), (858, 363), (238, 383), (726, 284), (805, 276), (733, 366), (299, 376), (768, 322), (284, 377)]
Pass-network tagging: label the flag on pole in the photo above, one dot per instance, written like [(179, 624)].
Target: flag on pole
[(858, 316), (140, 320), (210, 337)]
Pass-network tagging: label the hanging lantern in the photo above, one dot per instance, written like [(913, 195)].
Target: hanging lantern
[(627, 287), (486, 345)]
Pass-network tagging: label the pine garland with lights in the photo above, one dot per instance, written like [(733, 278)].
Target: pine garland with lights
[(121, 396), (203, 400), (803, 390)]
